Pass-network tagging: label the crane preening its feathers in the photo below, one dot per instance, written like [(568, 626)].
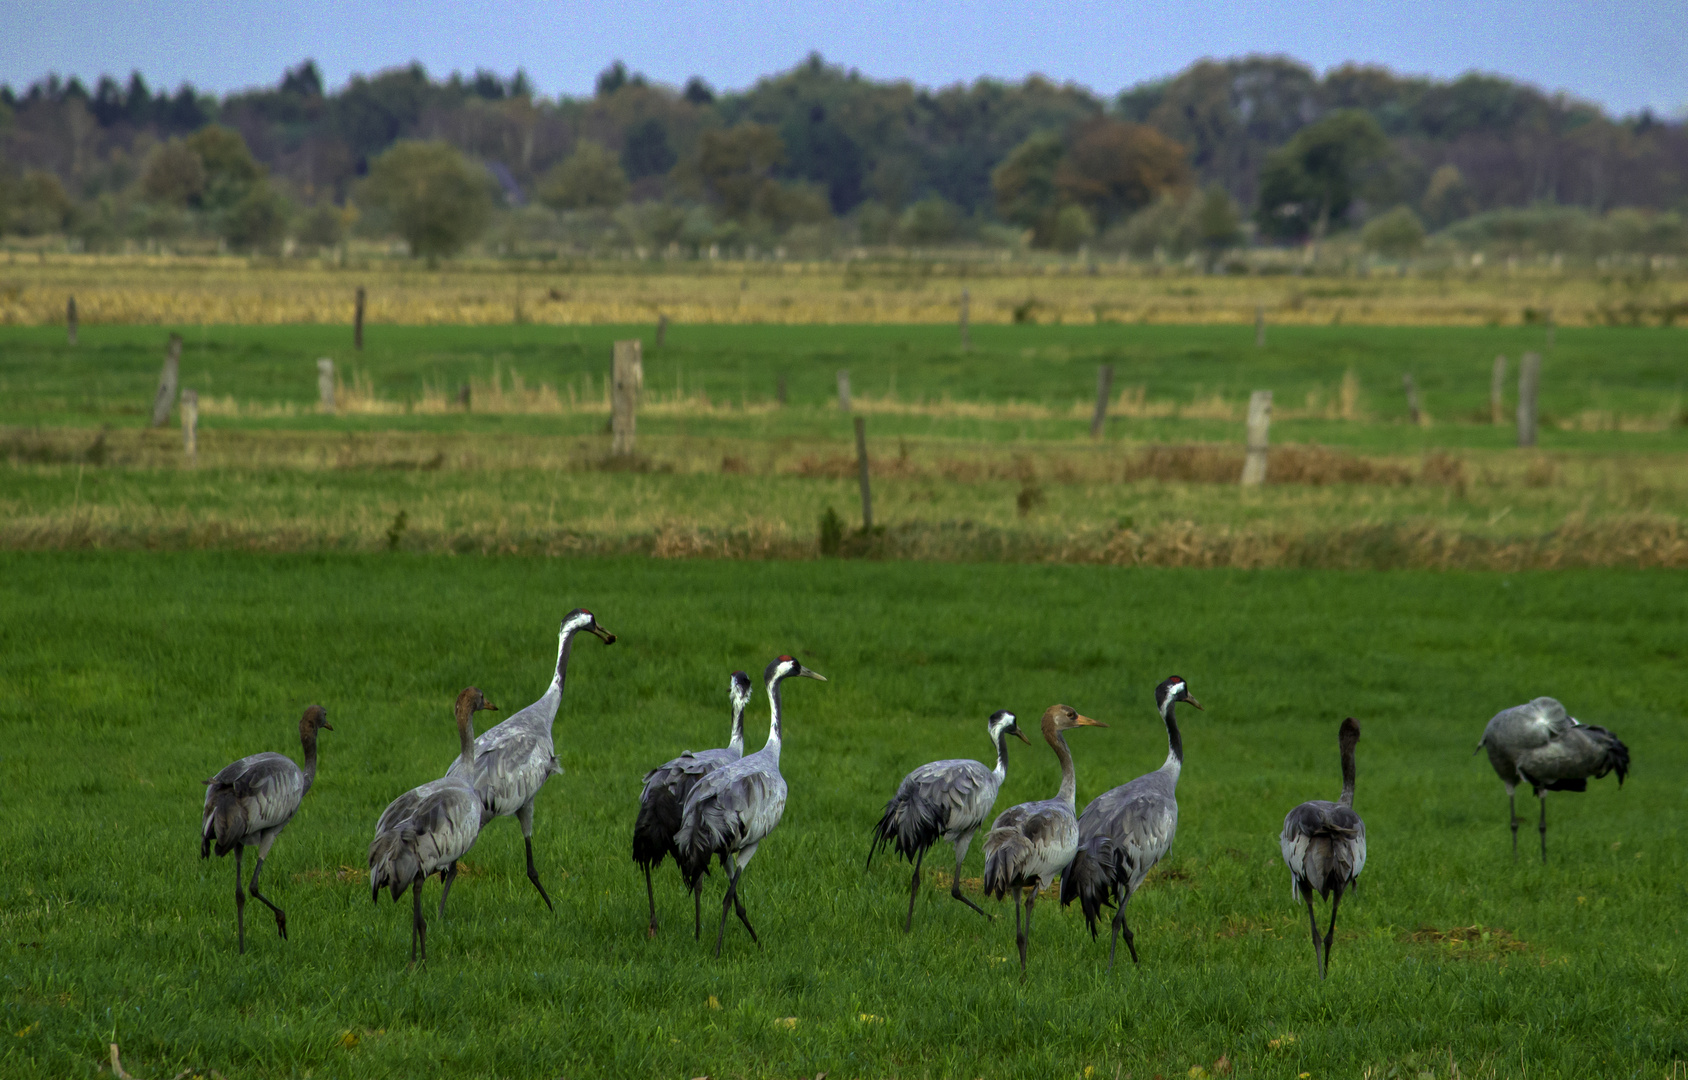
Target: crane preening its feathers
[(1542, 745), (945, 800), (664, 798), (249, 802), (1324, 845), (1030, 843), (1124, 832), (427, 829)]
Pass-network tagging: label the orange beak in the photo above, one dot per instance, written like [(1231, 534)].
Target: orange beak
[(1085, 721)]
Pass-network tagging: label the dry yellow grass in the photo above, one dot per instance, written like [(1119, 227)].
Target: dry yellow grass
[(219, 290)]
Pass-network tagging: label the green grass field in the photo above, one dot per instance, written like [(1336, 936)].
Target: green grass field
[(134, 676)]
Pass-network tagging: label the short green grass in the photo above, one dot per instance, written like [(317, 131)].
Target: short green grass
[(131, 677)]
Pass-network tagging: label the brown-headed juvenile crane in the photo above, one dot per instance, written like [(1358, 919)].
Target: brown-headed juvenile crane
[(427, 829), (248, 803), (1030, 843), (733, 809), (514, 759), (664, 797), (1124, 832), (946, 800), (1542, 745), (1324, 845)]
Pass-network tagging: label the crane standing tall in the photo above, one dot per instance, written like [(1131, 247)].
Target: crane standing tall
[(1324, 845)]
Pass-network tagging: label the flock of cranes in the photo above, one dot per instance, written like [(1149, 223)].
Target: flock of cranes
[(719, 805)]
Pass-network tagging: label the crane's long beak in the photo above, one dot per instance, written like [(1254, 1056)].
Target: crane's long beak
[(326, 726), (1192, 701), (1016, 731), (487, 706), (609, 638), (807, 674), (1085, 721)]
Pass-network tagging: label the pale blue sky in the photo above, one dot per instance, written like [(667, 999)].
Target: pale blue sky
[(1622, 55)]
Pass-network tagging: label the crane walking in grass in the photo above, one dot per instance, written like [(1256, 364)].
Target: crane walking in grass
[(733, 809), (664, 798), (1324, 845), (1030, 843), (429, 828), (946, 800), (1124, 832), (1542, 745), (514, 759), (248, 803)]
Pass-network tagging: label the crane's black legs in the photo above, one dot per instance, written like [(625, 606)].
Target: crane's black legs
[(1312, 920), (914, 890), (1119, 925), (732, 902), (697, 912), (1019, 934), (1031, 898), (446, 878), (1542, 798), (525, 817), (239, 898), (650, 894), (1335, 902), (418, 928), (280, 915), (1512, 804), (955, 882)]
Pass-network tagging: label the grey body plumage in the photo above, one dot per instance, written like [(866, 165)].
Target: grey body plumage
[(944, 800), (1125, 831), (663, 799), (514, 759), (1324, 845), (250, 801), (732, 809), (1540, 744)]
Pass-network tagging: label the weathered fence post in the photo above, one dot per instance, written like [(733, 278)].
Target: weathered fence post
[(357, 323), (843, 390), (190, 425), (70, 319), (1104, 388), (1529, 381), (966, 338), (1497, 392), (325, 384), (779, 388), (661, 330), (167, 382), (1260, 326), (1412, 399), (628, 375), (1259, 420), (861, 463)]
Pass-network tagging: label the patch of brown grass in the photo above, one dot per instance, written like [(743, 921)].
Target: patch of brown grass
[(1470, 942)]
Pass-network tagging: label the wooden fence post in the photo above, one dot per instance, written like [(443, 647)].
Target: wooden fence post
[(190, 425), (1412, 400), (1529, 381), (779, 388), (1497, 391), (70, 319), (861, 463), (325, 384), (843, 390), (1259, 420), (628, 375), (966, 338), (661, 330), (167, 382), (1260, 326), (357, 323), (1104, 388)]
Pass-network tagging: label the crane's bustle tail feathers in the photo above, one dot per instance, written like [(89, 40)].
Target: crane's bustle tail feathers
[(655, 828), (1007, 852), (1098, 867), (393, 862), (226, 822), (908, 827), (1616, 758)]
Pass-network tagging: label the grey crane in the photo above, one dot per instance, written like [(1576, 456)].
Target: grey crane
[(428, 828), (514, 759), (249, 802), (664, 797), (732, 810), (1542, 745), (1324, 845), (1030, 843), (1124, 832), (946, 800)]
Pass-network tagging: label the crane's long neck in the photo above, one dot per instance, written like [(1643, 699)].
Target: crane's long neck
[(553, 698), (772, 747), (307, 738), (1174, 763), (1069, 782), (1001, 770), (466, 739), (1347, 798), (736, 743)]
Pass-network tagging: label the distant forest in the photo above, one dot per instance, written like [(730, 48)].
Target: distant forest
[(1290, 154)]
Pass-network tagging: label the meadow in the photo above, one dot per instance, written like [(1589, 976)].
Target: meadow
[(135, 675)]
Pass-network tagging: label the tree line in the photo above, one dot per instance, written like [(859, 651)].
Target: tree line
[(1224, 151)]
